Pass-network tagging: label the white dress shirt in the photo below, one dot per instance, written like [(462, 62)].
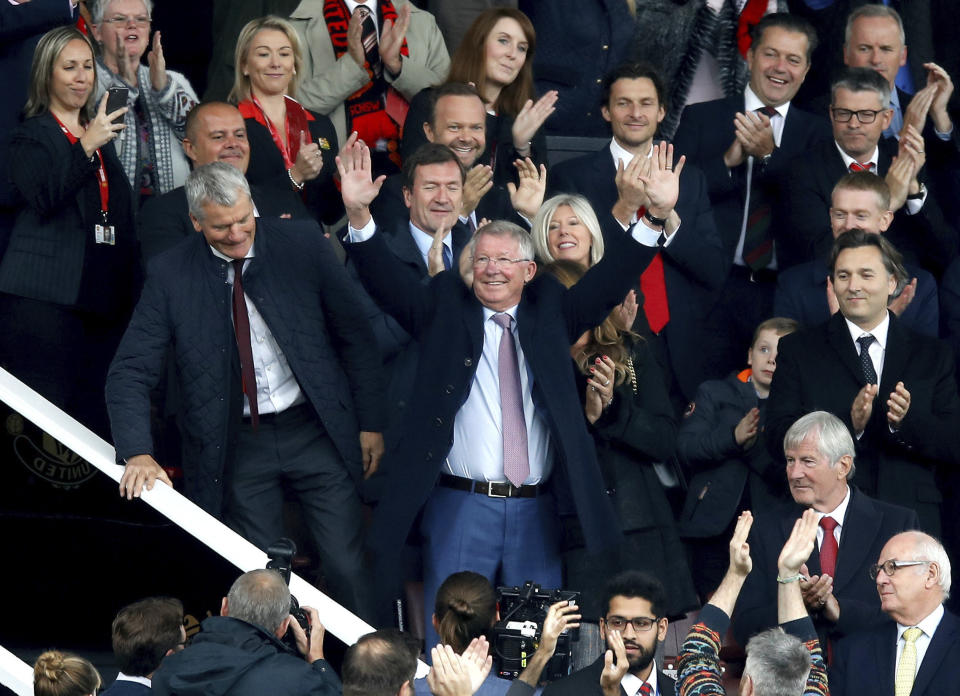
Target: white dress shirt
[(838, 513), (371, 7), (632, 683), (424, 241), (928, 626), (139, 680), (277, 388), (878, 348), (913, 206)]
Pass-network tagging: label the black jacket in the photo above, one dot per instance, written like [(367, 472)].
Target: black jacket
[(587, 681), (230, 656)]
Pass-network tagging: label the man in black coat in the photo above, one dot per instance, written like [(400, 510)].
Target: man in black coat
[(454, 427), (144, 634), (693, 266), (239, 653), (276, 394), (839, 593), (633, 605), (894, 389), (917, 651)]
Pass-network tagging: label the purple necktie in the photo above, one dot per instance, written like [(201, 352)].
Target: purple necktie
[(516, 465)]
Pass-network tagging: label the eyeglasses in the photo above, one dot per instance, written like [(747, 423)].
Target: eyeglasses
[(641, 624), (123, 20), (499, 262), (864, 115), (890, 567)]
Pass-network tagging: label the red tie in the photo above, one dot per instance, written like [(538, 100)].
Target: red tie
[(828, 547), (241, 326), (645, 689), (654, 289), (857, 167)]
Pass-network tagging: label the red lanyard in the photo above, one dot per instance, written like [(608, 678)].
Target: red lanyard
[(101, 170)]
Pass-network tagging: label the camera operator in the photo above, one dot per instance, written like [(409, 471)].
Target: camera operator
[(466, 608), (240, 653)]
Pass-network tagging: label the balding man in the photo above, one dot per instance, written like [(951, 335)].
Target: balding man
[(215, 132), (917, 652), (239, 652)]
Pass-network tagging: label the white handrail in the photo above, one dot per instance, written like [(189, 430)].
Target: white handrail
[(183, 512), (15, 674)]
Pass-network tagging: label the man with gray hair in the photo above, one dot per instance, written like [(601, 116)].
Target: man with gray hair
[(917, 651), (852, 527), (240, 652), (783, 661), (278, 373)]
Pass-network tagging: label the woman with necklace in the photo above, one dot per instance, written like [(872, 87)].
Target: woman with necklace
[(69, 278), (290, 146)]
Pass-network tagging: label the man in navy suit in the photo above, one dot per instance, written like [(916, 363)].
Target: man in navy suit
[(853, 528), (494, 438), (860, 201), (144, 633), (744, 145), (693, 266), (918, 652)]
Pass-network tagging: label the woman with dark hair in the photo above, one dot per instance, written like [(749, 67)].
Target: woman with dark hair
[(630, 417), (290, 146), (496, 55), (57, 673), (69, 276)]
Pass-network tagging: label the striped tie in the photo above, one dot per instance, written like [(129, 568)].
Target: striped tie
[(907, 667)]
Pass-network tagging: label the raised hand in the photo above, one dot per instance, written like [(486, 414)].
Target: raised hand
[(449, 676), (126, 64), (745, 433), (625, 313), (477, 662), (631, 192), (899, 177), (309, 162), (101, 130), (919, 107), (897, 406), (357, 187), (613, 674), (561, 616), (435, 253), (904, 299), (530, 119), (478, 182), (754, 133), (862, 407), (391, 40), (158, 65), (527, 198), (799, 545), (940, 78), (663, 183), (740, 562), (599, 388), (141, 470)]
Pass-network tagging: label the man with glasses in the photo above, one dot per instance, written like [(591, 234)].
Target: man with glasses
[(633, 606), (859, 111), (836, 587), (494, 440), (918, 652)]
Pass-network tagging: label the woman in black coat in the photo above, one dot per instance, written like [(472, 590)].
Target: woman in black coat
[(69, 278)]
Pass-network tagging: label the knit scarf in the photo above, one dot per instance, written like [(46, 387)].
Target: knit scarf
[(366, 112)]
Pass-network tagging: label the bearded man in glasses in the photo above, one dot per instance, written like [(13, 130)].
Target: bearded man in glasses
[(917, 652), (859, 112)]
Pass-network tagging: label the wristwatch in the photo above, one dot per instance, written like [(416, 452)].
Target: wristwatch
[(657, 222)]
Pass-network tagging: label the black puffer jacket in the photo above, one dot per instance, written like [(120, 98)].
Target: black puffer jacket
[(230, 656)]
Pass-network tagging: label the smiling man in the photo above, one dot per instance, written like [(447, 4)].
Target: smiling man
[(917, 651), (836, 589), (279, 378), (894, 389)]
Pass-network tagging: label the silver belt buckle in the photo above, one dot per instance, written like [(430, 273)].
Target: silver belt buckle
[(491, 494)]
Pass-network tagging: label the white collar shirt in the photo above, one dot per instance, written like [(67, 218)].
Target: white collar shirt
[(631, 683), (371, 6), (878, 348), (838, 514), (424, 241), (928, 626)]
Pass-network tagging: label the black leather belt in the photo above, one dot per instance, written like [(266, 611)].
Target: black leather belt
[(299, 411), (491, 490)]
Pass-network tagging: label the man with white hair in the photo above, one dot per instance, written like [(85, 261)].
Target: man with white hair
[(918, 652), (837, 589)]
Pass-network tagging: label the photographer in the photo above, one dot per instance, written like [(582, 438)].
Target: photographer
[(466, 608), (240, 652)]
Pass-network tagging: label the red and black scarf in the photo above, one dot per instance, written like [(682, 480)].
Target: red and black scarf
[(366, 108), (298, 120)]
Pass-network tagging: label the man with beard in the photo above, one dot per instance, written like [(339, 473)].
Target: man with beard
[(634, 606)]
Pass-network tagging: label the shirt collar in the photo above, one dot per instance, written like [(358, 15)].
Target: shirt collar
[(751, 102), (928, 625), (424, 241), (226, 258), (621, 153), (371, 5), (632, 683), (139, 680), (512, 311), (879, 332), (839, 512), (848, 160)]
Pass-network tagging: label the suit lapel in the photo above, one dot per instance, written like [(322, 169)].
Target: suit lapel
[(404, 248), (943, 639), (894, 358), (860, 527), (839, 338)]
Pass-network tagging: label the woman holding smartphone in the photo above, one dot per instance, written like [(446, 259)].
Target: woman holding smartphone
[(69, 277)]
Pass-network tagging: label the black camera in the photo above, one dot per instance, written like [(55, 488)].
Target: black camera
[(281, 554), (516, 636)]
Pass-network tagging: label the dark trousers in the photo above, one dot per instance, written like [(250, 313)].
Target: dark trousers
[(292, 449)]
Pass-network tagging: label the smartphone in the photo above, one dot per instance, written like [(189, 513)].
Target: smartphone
[(117, 99)]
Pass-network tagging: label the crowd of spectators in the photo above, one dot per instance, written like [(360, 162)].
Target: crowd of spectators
[(364, 277)]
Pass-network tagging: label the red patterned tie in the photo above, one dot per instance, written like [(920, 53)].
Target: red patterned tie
[(645, 689), (828, 547), (857, 167), (241, 326), (654, 289)]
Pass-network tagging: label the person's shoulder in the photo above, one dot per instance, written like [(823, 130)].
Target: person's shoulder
[(895, 515), (583, 681)]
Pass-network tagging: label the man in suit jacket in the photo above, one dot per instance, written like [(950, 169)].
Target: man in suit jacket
[(144, 633), (894, 389), (633, 607), (860, 200), (215, 132), (744, 144), (918, 652), (522, 459), (693, 267), (458, 119), (284, 397), (838, 593), (918, 228)]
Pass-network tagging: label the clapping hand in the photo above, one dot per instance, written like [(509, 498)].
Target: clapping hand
[(158, 65), (662, 184), (798, 547), (478, 182), (530, 119), (754, 132), (745, 434), (625, 313), (527, 198), (435, 253), (740, 562), (391, 40), (600, 384)]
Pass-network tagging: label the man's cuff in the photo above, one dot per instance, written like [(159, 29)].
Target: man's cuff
[(643, 228), (715, 618), (914, 205), (355, 236), (944, 136), (802, 628)]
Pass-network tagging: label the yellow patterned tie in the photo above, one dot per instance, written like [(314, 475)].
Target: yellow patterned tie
[(907, 668)]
